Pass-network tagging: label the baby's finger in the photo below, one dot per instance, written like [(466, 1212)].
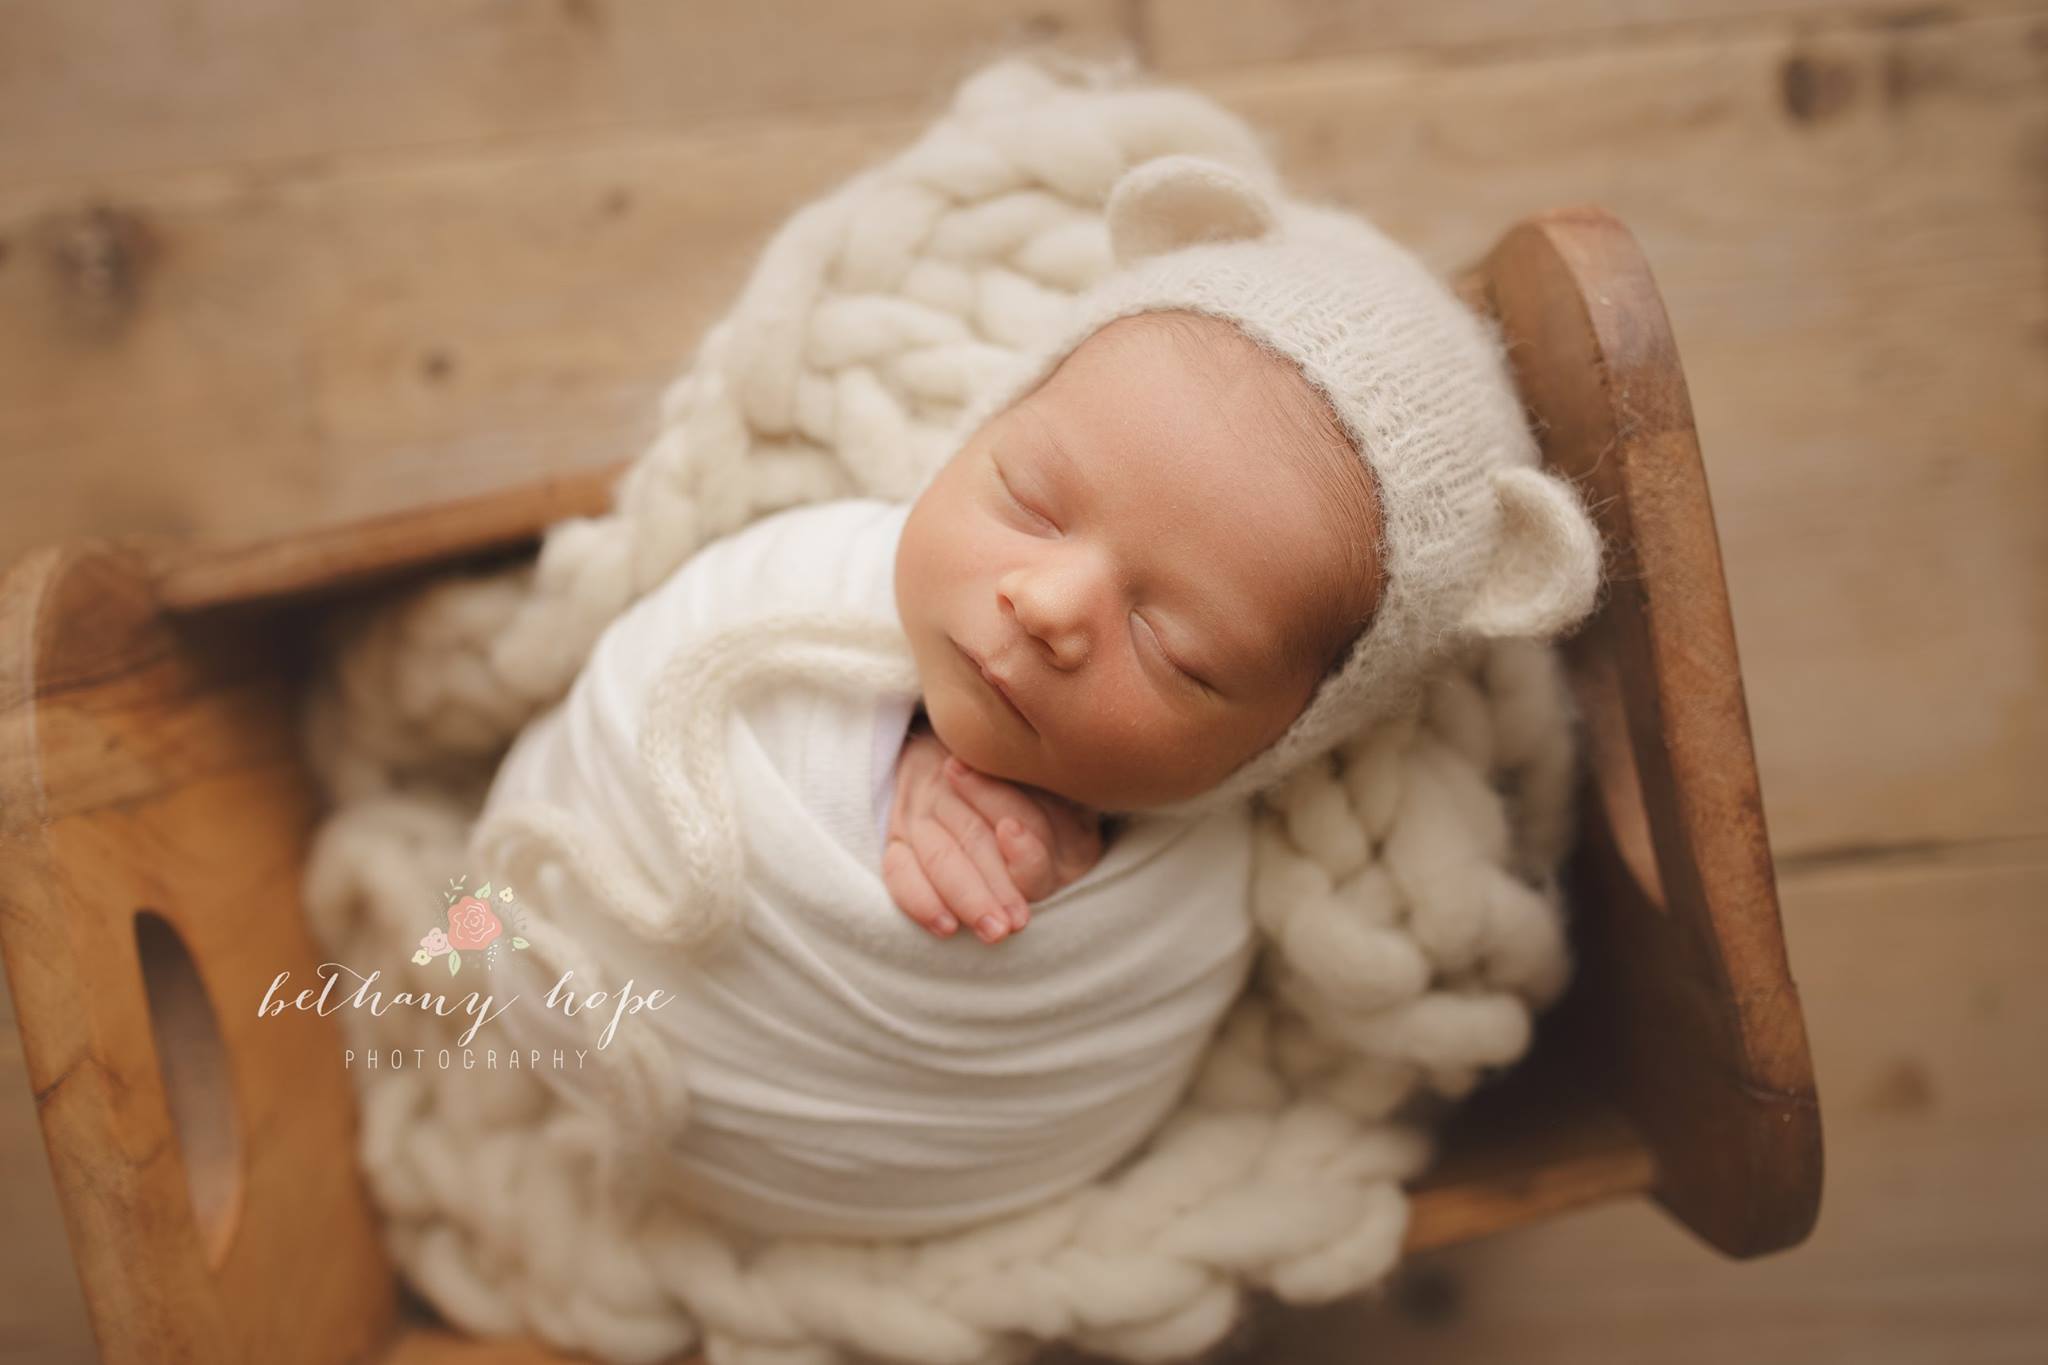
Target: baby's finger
[(995, 799), (912, 891), (1029, 860), (959, 883), (975, 836), (1029, 855)]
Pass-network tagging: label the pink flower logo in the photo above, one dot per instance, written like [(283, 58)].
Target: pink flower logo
[(473, 927), (472, 924)]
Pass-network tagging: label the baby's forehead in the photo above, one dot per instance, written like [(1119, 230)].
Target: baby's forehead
[(1265, 406), (1298, 430)]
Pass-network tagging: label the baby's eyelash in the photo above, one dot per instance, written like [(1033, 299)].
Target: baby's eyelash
[(1160, 645), (1021, 505)]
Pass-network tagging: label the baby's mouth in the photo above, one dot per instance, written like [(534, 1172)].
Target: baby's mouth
[(994, 684)]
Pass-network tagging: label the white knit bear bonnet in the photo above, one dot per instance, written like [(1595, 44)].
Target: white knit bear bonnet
[(1479, 541)]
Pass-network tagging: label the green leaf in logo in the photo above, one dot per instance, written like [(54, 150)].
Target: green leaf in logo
[(454, 962), (518, 942), (483, 893)]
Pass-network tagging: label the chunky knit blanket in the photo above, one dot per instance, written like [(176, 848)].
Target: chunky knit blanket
[(1404, 891)]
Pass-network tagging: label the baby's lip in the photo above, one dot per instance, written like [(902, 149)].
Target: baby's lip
[(995, 682)]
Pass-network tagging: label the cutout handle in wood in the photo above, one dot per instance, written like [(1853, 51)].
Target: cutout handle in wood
[(150, 761)]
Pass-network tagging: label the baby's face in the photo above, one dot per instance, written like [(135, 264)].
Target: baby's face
[(1130, 552)]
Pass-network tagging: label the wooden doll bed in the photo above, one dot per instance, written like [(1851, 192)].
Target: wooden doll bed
[(155, 813)]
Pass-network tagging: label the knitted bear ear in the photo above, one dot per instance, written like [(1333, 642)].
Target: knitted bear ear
[(1180, 200), (1545, 570)]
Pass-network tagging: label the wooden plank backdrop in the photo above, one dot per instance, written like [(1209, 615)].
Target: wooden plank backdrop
[(266, 264)]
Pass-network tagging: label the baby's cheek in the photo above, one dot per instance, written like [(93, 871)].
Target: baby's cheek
[(1143, 765)]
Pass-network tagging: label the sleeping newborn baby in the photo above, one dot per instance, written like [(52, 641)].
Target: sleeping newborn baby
[(1123, 587), (1268, 477)]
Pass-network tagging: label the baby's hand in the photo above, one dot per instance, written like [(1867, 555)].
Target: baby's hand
[(964, 846)]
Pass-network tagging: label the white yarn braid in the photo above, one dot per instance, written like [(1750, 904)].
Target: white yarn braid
[(683, 749), (1404, 888)]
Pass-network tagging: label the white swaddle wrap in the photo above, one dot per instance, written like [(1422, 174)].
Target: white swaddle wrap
[(847, 1073)]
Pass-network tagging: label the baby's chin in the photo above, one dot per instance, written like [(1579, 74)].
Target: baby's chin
[(991, 748), (969, 736)]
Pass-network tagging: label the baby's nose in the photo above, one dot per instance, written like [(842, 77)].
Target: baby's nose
[(1059, 607), (1067, 642)]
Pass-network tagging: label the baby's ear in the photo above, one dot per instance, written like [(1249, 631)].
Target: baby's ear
[(1180, 200), (1545, 570)]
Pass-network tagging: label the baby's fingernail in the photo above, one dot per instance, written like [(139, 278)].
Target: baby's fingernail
[(992, 927), (945, 924)]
